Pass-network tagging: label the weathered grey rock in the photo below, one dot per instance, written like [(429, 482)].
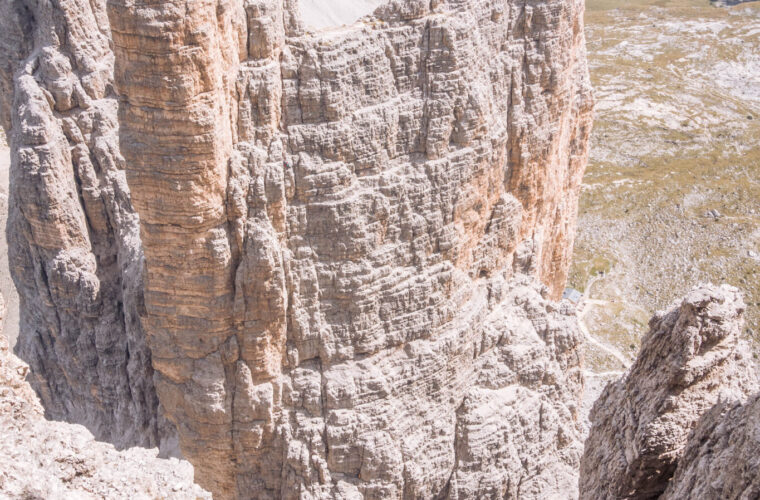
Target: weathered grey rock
[(52, 460), (692, 358), (343, 235), (722, 456), (74, 244), (350, 232)]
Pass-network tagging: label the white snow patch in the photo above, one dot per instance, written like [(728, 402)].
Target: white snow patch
[(322, 14)]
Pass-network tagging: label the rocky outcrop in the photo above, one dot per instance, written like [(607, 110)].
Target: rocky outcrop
[(692, 358), (42, 459), (722, 455), (74, 246), (341, 234)]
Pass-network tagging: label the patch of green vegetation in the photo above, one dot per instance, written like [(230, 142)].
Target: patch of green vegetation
[(619, 325), (588, 265)]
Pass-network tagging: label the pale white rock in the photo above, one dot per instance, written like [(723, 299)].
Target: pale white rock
[(320, 252), (346, 315)]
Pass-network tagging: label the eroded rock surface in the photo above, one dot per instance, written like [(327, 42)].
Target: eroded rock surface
[(722, 455), (73, 236), (692, 358), (43, 459), (348, 237), (342, 238)]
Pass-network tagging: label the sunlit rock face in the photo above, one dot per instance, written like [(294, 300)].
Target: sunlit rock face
[(344, 237)]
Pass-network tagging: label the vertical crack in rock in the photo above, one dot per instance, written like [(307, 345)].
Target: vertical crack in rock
[(343, 237), (74, 247), (692, 358)]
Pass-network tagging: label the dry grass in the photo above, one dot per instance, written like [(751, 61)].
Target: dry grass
[(677, 134)]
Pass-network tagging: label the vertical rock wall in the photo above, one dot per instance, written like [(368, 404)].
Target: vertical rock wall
[(692, 362), (176, 135), (342, 236), (73, 235), (331, 225)]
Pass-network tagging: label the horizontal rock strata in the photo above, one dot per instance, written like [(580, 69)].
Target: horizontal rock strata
[(342, 235)]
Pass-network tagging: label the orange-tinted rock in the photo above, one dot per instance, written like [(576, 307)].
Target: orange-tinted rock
[(342, 239)]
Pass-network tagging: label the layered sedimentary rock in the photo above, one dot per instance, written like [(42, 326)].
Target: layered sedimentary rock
[(74, 246), (43, 459), (692, 359), (330, 227), (342, 236)]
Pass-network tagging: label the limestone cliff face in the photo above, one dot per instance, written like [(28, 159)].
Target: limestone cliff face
[(341, 237), (643, 439), (330, 223), (73, 235)]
